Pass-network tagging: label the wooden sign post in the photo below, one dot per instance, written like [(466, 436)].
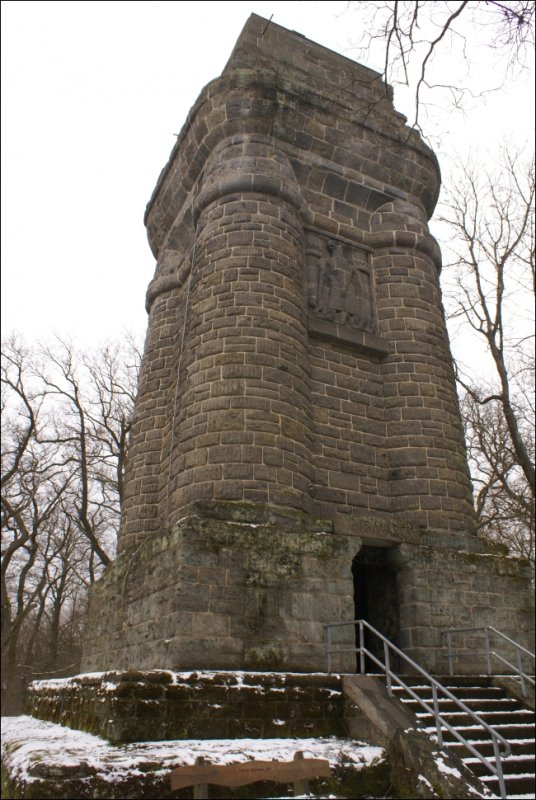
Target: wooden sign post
[(296, 772)]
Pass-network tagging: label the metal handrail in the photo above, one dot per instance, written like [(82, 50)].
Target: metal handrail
[(440, 721), (520, 651)]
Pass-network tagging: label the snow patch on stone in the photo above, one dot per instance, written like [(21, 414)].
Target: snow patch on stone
[(427, 783), (27, 742), (445, 769)]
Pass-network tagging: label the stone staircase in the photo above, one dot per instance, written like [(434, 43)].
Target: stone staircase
[(506, 714)]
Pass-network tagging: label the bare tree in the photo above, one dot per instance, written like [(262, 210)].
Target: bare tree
[(94, 396), (34, 480), (490, 219), (503, 500), (66, 420), (490, 291), (410, 34)]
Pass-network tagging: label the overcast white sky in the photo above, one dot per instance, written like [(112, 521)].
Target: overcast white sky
[(92, 95)]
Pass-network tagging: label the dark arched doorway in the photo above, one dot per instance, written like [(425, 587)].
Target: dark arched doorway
[(375, 600)]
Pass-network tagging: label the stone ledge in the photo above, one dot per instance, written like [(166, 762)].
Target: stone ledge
[(244, 512), (362, 341), (512, 686)]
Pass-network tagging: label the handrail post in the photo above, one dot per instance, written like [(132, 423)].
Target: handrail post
[(498, 767), (488, 657), (488, 630), (436, 710), (387, 668), (328, 647), (449, 652), (521, 673), (361, 647)]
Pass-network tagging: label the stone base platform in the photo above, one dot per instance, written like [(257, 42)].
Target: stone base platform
[(44, 761), (231, 586), (250, 586), (157, 720), (131, 706)]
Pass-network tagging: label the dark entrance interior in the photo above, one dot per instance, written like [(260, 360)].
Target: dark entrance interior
[(375, 600)]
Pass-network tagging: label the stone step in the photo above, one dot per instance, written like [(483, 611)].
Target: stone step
[(450, 680), (121, 707), (492, 718), (469, 692), (44, 760), (507, 715), (467, 685), (477, 705), (516, 785), (485, 746), (475, 732), (513, 765)]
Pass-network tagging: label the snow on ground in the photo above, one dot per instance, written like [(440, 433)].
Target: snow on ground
[(26, 740), (176, 677)]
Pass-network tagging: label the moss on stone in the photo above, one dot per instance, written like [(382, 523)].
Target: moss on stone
[(263, 656)]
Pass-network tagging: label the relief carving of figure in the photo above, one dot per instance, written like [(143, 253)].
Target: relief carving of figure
[(358, 297), (339, 288), (330, 276)]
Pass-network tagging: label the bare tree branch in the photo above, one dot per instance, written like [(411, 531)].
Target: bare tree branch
[(489, 281), (410, 34), (65, 435)]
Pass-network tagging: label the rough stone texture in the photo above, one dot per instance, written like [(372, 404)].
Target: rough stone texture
[(296, 351), (296, 359), (512, 687), (469, 590), (124, 706), (380, 717), (252, 586), (226, 593), (44, 761), (416, 756)]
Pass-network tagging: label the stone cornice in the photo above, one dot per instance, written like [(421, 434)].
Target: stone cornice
[(271, 95)]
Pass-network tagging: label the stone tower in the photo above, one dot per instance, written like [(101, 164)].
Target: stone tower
[(297, 454)]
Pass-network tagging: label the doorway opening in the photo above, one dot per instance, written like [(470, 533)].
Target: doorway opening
[(376, 601)]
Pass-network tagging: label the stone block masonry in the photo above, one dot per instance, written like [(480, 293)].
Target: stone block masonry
[(231, 584), (121, 706), (297, 396), (296, 340)]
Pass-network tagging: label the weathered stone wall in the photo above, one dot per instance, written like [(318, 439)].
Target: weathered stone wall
[(443, 589), (252, 588), (43, 760), (124, 706), (149, 456), (296, 341), (243, 430), (296, 368)]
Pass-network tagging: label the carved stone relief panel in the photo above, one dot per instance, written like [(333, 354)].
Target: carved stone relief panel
[(339, 284)]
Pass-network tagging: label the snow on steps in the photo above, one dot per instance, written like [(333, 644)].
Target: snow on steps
[(510, 718)]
